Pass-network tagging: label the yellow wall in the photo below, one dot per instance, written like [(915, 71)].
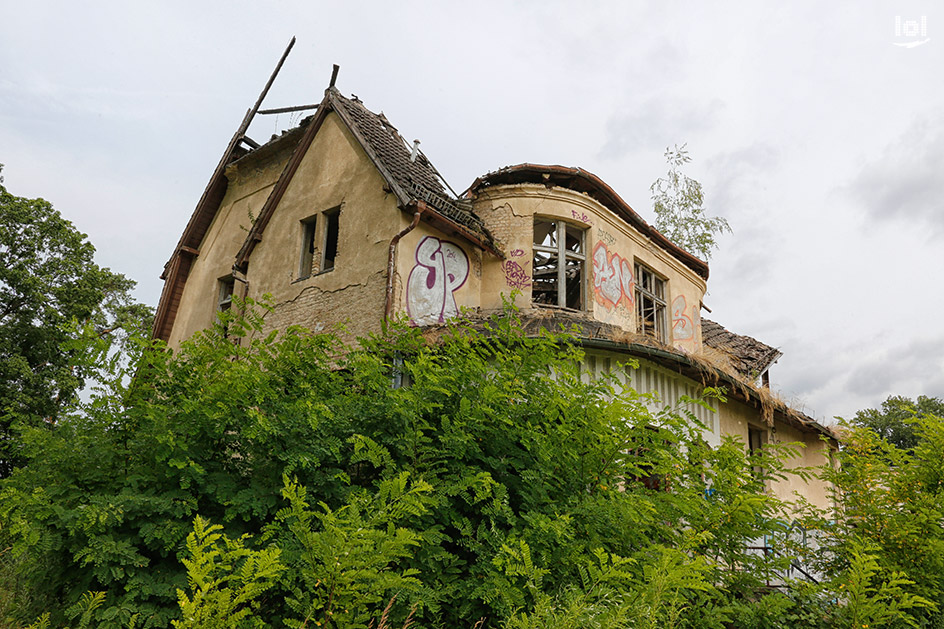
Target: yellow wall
[(612, 248), (335, 173), (735, 418), (249, 185)]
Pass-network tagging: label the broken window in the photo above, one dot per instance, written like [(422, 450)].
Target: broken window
[(329, 248), (558, 265), (650, 303), (225, 293), (306, 259)]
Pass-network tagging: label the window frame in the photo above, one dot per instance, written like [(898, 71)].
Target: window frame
[(225, 286), (561, 252), (648, 286), (306, 257)]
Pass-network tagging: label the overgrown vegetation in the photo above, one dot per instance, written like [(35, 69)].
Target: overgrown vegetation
[(679, 205), (282, 480), (55, 302)]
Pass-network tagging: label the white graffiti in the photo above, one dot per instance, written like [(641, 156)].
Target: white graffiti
[(612, 278), (441, 268)]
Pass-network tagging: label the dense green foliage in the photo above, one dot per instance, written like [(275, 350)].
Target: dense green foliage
[(894, 422), (284, 481), (679, 205), (51, 292), (890, 508)]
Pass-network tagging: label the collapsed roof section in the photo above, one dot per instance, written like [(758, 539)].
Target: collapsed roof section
[(580, 180), (749, 356), (408, 174)]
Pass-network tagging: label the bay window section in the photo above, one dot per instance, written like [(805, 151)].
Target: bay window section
[(558, 276)]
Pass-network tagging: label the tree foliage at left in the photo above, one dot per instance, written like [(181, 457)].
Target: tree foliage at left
[(54, 302)]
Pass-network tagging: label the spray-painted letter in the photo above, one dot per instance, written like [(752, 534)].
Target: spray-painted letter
[(441, 268)]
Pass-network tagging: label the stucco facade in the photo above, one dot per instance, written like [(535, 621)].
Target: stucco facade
[(341, 222)]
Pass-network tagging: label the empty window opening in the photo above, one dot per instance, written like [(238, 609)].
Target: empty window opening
[(225, 293), (329, 250), (558, 264), (650, 303), (306, 259)]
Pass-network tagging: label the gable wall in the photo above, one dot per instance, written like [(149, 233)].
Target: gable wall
[(249, 186), (335, 172)]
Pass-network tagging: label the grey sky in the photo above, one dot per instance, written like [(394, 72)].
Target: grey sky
[(817, 137)]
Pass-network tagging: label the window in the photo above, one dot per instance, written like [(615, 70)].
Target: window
[(307, 257), (329, 243), (650, 303), (756, 438), (558, 266), (225, 293)]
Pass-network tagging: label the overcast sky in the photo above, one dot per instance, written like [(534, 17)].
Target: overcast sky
[(816, 129)]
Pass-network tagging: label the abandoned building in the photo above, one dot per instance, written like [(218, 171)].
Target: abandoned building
[(352, 224)]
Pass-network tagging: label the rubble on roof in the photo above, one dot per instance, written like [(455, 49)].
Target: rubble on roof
[(749, 356), (417, 178)]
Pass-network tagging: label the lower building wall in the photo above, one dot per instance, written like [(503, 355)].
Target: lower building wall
[(358, 313), (731, 418)]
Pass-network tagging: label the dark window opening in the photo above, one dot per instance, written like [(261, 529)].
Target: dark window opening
[(557, 269), (329, 252), (756, 438), (307, 258), (225, 295)]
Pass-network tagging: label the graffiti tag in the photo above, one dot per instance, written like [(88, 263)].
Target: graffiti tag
[(606, 237), (581, 216), (441, 268), (683, 329), (515, 275), (517, 253), (613, 280)]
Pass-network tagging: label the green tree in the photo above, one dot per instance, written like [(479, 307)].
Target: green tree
[(678, 202), (895, 421), (883, 543), (500, 482), (55, 305)]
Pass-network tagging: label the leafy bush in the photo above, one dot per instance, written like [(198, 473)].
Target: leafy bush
[(282, 480)]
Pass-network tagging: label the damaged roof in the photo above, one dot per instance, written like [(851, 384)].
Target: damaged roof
[(749, 356), (410, 179), (580, 180)]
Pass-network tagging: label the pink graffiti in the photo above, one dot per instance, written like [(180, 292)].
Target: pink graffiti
[(581, 216), (682, 327), (612, 278), (441, 268), (517, 253), (515, 275)]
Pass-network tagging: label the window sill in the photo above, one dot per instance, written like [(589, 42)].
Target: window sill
[(559, 308), (313, 275)]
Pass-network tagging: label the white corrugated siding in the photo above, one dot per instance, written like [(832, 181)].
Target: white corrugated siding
[(650, 378)]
